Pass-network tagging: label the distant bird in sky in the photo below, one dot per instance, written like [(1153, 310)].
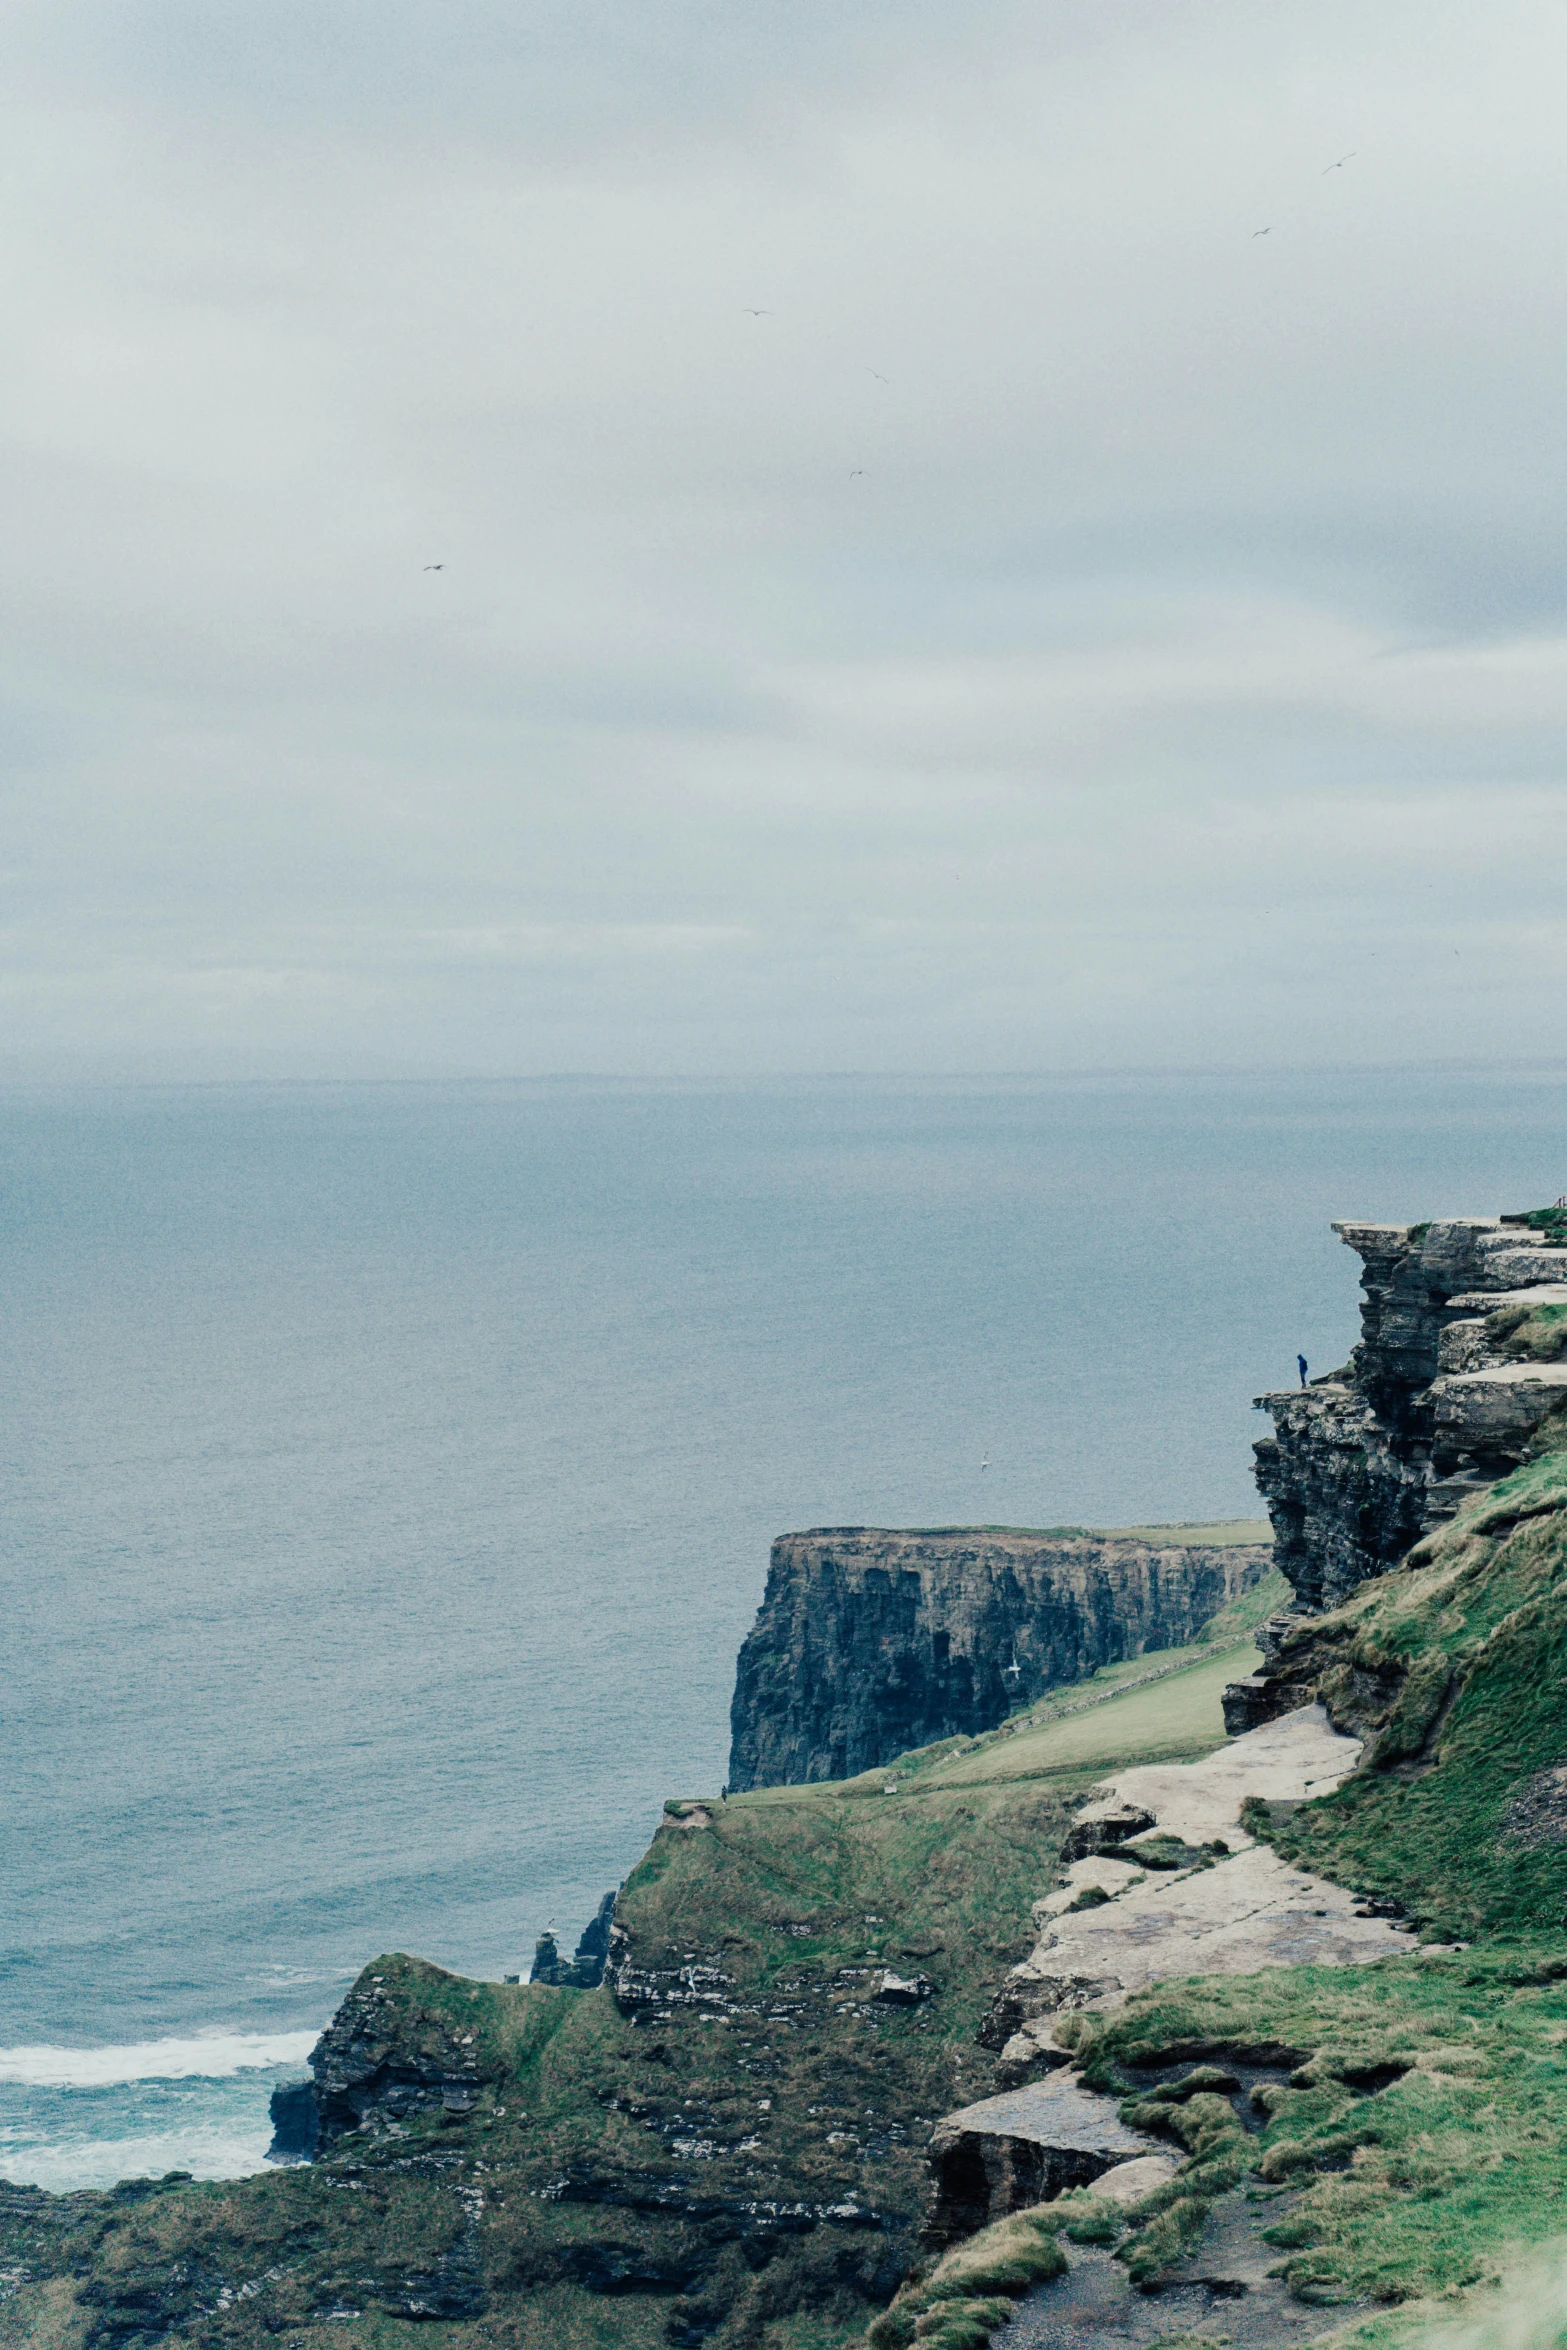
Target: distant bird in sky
[(985, 1463), (881, 379), (1262, 232), (858, 473), (435, 567), (1343, 159), (758, 314)]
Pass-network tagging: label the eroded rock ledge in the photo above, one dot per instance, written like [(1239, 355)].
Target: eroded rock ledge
[(1461, 1358), (1178, 1888), (870, 1642)]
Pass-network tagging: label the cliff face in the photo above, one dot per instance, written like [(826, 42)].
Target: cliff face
[(1463, 1325), (871, 1642)]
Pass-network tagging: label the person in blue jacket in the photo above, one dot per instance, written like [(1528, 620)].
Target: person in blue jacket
[(1302, 1362)]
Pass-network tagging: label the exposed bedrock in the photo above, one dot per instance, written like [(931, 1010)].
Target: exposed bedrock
[(870, 1642), (370, 2076), (1009, 2152), (1463, 1335)]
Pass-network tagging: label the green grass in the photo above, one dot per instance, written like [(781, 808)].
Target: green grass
[(1407, 2190), (1268, 1598), (806, 2092), (800, 1896), (1169, 1720), (966, 2296), (1535, 1334), (1455, 1668)]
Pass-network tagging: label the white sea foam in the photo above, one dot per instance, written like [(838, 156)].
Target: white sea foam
[(209, 2056), (207, 2151)]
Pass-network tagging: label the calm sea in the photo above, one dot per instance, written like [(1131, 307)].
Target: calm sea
[(390, 1470)]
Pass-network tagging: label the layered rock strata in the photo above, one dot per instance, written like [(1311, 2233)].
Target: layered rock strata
[(1463, 1335), (371, 2074), (871, 1642)]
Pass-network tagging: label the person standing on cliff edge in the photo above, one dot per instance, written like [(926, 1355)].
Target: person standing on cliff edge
[(1302, 1362)]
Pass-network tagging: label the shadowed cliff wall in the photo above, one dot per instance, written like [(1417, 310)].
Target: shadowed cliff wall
[(869, 1642)]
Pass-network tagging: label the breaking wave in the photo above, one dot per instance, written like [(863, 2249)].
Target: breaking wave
[(207, 2150), (209, 2056)]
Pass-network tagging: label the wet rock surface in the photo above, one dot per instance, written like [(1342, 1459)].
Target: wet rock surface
[(872, 1642)]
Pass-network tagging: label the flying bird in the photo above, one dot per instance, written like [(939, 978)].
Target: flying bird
[(758, 314), (881, 379), (435, 567), (1343, 159), (1262, 232), (857, 473)]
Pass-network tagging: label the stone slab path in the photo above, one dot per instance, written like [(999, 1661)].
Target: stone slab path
[(1237, 1912)]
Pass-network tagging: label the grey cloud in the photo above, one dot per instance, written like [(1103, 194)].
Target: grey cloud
[(1064, 629)]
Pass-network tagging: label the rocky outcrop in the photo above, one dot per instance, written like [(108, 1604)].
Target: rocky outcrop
[(378, 2063), (1007, 2153), (1197, 1895), (585, 1971), (871, 1642), (1460, 1361), (296, 2124)]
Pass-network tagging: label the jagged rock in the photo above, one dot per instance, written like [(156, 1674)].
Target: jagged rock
[(902, 1991), (296, 2124), (1032, 2049), (1102, 1826), (643, 1991), (372, 2070), (1259, 1698), (1344, 1499), (870, 1642), (585, 1972), (1009, 2152), (1430, 1409)]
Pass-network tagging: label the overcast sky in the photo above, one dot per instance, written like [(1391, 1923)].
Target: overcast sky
[(926, 583)]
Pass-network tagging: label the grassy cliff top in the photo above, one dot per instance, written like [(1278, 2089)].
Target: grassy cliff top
[(740, 2161), (1217, 1534), (605, 2147)]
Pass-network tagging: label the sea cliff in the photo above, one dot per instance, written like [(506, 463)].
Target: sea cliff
[(846, 2028), (1460, 1361), (871, 1641)]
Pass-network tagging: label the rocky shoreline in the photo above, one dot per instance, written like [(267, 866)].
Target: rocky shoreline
[(1090, 2022)]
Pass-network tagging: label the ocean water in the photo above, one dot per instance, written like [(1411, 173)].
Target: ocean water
[(389, 1474)]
